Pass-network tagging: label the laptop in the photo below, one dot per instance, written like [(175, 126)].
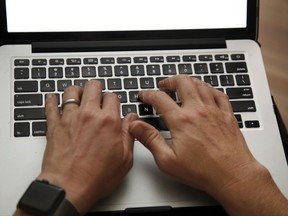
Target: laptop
[(129, 45)]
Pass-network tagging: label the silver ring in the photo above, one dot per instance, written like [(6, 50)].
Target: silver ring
[(69, 101)]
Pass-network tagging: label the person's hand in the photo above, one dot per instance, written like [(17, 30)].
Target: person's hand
[(89, 149), (208, 150)]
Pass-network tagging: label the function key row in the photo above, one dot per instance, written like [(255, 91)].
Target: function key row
[(128, 60)]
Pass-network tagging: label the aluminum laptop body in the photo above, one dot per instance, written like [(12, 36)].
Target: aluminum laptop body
[(183, 34)]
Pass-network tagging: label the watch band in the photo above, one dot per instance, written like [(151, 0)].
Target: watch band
[(66, 208)]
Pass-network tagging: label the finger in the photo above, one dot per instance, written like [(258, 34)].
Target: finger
[(206, 93), (151, 139), (92, 93), (162, 102), (112, 103), (222, 100), (74, 93), (51, 111), (186, 89)]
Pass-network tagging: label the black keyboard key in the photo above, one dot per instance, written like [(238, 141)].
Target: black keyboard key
[(57, 61), (29, 114), (140, 59), (153, 70), (90, 61), (137, 70), (72, 72), (189, 58), (169, 69), (205, 58), (39, 62), (158, 79), (236, 67), (201, 68), (21, 73), (73, 61), (107, 60), (133, 96), (145, 110), (122, 95), (212, 80), (47, 85), (239, 93), (173, 59), (121, 70), (80, 82), (25, 86), (185, 69), (126, 109), (89, 71), (243, 106), (147, 83), (124, 60), (156, 122), (227, 80), (39, 73), (22, 129), (21, 62), (158, 59), (28, 100), (239, 120), (63, 84), (252, 124), (216, 68), (39, 128), (105, 71), (114, 84), (221, 57), (55, 72), (243, 80), (130, 83), (238, 57)]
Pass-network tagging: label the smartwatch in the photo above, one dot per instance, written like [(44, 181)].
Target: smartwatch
[(44, 199)]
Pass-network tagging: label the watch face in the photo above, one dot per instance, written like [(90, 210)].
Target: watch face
[(41, 198)]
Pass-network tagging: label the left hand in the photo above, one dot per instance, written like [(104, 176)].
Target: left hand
[(89, 149)]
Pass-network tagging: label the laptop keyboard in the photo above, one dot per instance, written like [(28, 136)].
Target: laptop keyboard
[(126, 76)]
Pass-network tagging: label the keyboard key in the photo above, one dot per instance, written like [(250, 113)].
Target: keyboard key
[(133, 96), (222, 57), (73, 61), (21, 73), (156, 122), (173, 58), (107, 60), (137, 70), (39, 128), (147, 83), (243, 106), (105, 71), (153, 70), (189, 58), (158, 59), (124, 60), (121, 70), (227, 80), (58, 61), (238, 57), (39, 62), (252, 124), (239, 93), (237, 67), (201, 68), (55, 72), (25, 86), (145, 109), (239, 120), (114, 84), (140, 60), (72, 72), (130, 83), (126, 109), (22, 129), (29, 113), (90, 61), (243, 80), (216, 68), (21, 62), (212, 80), (89, 71), (122, 95), (169, 69), (39, 73), (205, 58), (63, 84), (28, 100), (47, 85), (185, 69), (80, 82)]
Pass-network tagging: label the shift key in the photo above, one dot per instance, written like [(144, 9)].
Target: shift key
[(243, 106), (29, 113)]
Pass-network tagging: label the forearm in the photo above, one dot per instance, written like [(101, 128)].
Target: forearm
[(257, 195)]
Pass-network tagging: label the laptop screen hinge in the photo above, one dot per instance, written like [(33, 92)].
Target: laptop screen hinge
[(128, 45)]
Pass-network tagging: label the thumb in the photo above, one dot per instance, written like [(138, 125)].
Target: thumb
[(151, 139)]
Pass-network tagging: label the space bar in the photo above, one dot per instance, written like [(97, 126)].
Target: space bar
[(156, 122)]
